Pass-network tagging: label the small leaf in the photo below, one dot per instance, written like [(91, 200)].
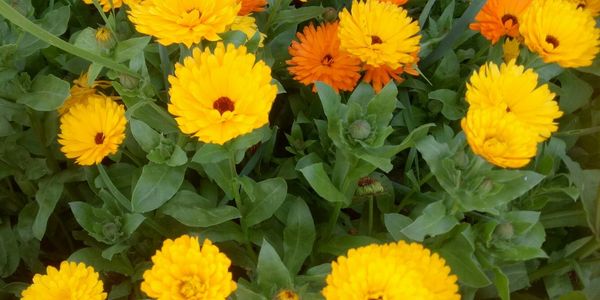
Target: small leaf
[(156, 185), (210, 153), (146, 137), (194, 210), (48, 93), (92, 257), (126, 50), (272, 273), (47, 196), (298, 235), (269, 195), (317, 178), (395, 223), (432, 222)]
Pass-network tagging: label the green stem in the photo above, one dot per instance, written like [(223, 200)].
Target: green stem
[(370, 221), (9, 13), (333, 217), (113, 189), (103, 15)]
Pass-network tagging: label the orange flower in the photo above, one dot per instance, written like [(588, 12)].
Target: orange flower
[(317, 57), (500, 17), (249, 6), (397, 2), (378, 77)]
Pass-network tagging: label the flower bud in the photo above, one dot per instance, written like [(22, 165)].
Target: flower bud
[(360, 129), (505, 231), (111, 231), (330, 14), (104, 38), (128, 82), (369, 186), (287, 295)]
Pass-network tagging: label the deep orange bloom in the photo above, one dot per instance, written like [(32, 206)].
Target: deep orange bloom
[(250, 6), (500, 17), (317, 57), (378, 77), (397, 2)]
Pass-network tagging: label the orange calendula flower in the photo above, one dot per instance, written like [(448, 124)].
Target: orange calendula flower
[(378, 77), (500, 17), (397, 2), (250, 6), (317, 57)]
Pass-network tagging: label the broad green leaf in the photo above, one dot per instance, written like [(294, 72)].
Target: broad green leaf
[(458, 253), (395, 223), (195, 211), (92, 257), (126, 50), (298, 236), (269, 195), (317, 178), (339, 245), (9, 250), (299, 15), (272, 274), (451, 109), (48, 93), (574, 92), (156, 186), (433, 221), (47, 196), (146, 137), (210, 153), (329, 99)]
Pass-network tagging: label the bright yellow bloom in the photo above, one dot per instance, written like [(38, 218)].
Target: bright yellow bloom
[(391, 271), (184, 270), (106, 4), (93, 129), (70, 281), (247, 25), (379, 33), (498, 18), (560, 32), (80, 92), (287, 295), (591, 6), (184, 21), (233, 98), (510, 49), (499, 137), (515, 90)]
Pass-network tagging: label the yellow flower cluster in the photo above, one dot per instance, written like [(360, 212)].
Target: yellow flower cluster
[(508, 114), (70, 281)]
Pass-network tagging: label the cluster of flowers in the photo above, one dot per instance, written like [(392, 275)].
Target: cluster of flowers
[(185, 269)]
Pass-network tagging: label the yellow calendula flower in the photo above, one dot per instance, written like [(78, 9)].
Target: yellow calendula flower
[(233, 98), (247, 25), (183, 269), (93, 129), (287, 295), (515, 90), (391, 271), (561, 33), (107, 5), (70, 281), (379, 33), (184, 21), (499, 137), (591, 6), (80, 91)]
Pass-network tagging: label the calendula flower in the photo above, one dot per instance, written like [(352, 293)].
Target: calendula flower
[(391, 271), (93, 129), (498, 18), (510, 49), (316, 56), (250, 6), (498, 137), (183, 269), (515, 90), (247, 25), (379, 33), (591, 6), (287, 295), (378, 77), (80, 92), (233, 98), (107, 5), (397, 2), (184, 21), (560, 32), (70, 281)]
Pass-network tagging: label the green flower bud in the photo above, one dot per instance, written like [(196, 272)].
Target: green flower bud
[(369, 186), (111, 231), (505, 231), (330, 14), (486, 186), (128, 82), (360, 129), (104, 38)]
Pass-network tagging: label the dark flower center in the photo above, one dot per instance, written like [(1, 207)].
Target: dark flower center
[(509, 17), (99, 138), (375, 40), (552, 40), (223, 104), (507, 109), (327, 60)]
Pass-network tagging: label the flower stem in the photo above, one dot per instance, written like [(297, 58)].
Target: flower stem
[(238, 202), (370, 220)]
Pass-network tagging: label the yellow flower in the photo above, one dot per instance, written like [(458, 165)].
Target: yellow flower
[(591, 6), (560, 32), (510, 49), (499, 137), (379, 33), (70, 281), (185, 270), (106, 4), (247, 25), (391, 271), (287, 295), (80, 92), (103, 34), (93, 129), (184, 21), (233, 97), (515, 91)]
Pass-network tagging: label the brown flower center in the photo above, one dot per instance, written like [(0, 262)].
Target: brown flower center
[(223, 104), (509, 17), (327, 60), (552, 40), (375, 40), (99, 138)]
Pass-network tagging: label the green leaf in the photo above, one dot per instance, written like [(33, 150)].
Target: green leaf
[(574, 92), (9, 250), (299, 15), (210, 153), (221, 174), (298, 235), (269, 195), (55, 22), (458, 253), (93, 257), (126, 50), (395, 223), (194, 210), (339, 245), (94, 220), (47, 93), (48, 194), (156, 186), (146, 137), (433, 221), (317, 178), (272, 273), (329, 99), (451, 109)]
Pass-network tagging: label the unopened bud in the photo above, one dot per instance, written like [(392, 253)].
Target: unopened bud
[(104, 38), (369, 186), (128, 82), (360, 129), (505, 231), (287, 295), (330, 14), (111, 231)]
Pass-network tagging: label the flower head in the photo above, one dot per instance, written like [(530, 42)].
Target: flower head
[(233, 98), (287, 295), (70, 281), (591, 6), (316, 56), (183, 269), (250, 6), (103, 34), (560, 32), (80, 92), (498, 18), (183, 21), (379, 33), (391, 271), (378, 77), (499, 137), (107, 5), (515, 90), (93, 129)]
